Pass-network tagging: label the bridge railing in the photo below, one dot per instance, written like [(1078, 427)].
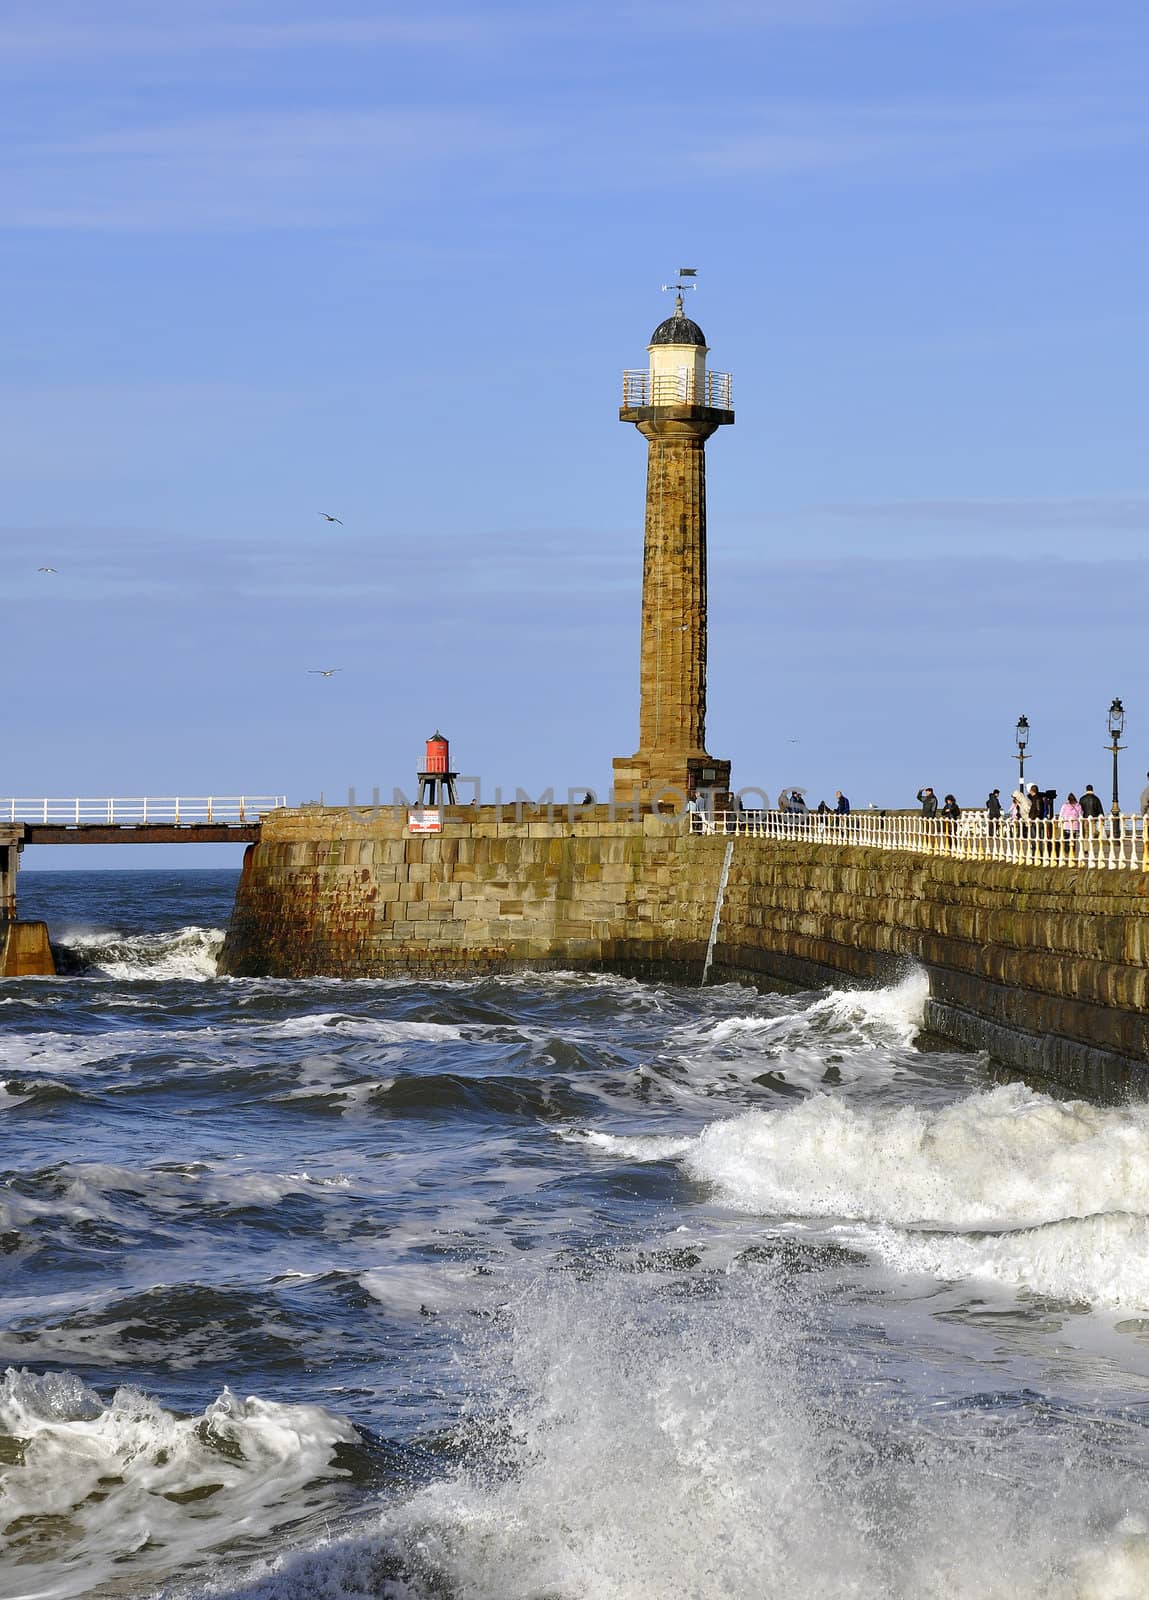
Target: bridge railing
[(132, 812), (1119, 842)]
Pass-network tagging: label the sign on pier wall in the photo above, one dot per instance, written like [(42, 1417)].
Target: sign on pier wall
[(425, 821)]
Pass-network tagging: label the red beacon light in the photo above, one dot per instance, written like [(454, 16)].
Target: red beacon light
[(437, 781), (438, 754)]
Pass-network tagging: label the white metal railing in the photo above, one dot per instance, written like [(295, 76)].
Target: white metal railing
[(1104, 842), (644, 388), (132, 812)]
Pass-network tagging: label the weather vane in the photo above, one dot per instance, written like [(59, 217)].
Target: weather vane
[(683, 273)]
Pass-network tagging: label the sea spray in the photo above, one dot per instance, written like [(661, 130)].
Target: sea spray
[(633, 1445), (187, 953)]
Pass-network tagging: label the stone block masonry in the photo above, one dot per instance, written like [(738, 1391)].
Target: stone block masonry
[(350, 894), (1047, 969)]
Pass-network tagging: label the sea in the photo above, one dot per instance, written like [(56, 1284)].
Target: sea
[(550, 1286)]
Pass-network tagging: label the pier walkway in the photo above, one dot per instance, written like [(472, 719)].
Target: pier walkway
[(1117, 842)]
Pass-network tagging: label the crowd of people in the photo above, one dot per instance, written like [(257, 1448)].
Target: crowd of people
[(1030, 805), (794, 801)]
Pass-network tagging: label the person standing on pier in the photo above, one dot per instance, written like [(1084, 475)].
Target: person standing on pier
[(1090, 804), (1070, 817), (929, 802), (1145, 799)]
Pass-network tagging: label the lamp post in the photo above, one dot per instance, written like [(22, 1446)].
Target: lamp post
[(1022, 741), (1116, 729)]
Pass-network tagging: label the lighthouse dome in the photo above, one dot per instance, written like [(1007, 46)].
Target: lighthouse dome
[(678, 329)]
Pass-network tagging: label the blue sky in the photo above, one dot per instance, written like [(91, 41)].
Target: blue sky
[(262, 260)]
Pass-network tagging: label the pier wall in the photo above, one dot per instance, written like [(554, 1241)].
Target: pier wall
[(25, 951), (1047, 969), (24, 948)]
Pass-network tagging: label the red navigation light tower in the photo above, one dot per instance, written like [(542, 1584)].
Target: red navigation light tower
[(437, 781)]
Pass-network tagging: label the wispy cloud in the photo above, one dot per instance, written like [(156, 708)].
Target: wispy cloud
[(297, 157), (126, 34), (1083, 513), (127, 28), (944, 135), (308, 167), (478, 582)]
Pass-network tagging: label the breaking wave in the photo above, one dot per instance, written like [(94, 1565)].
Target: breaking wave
[(92, 1482), (872, 1017), (184, 953), (1100, 1261), (1008, 1158), (642, 1447), (1043, 1194)]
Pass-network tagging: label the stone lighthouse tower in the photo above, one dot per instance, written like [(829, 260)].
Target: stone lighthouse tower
[(676, 404)]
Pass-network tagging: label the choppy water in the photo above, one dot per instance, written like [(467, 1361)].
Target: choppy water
[(547, 1288)]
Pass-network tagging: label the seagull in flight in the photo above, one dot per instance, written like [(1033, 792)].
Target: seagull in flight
[(327, 517), (323, 672), (45, 569)]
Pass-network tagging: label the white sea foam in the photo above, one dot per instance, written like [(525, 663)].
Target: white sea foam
[(647, 1449), (74, 1055), (1009, 1158), (101, 1481), (404, 1289), (96, 1190), (1100, 1261), (873, 1017), (67, 1053), (184, 953), (381, 1029), (638, 1147), (866, 1035)]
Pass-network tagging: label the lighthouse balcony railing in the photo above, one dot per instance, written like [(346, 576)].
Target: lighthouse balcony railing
[(1118, 842), (644, 388)]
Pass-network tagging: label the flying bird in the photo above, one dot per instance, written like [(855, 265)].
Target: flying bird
[(45, 569), (323, 672), (327, 517)]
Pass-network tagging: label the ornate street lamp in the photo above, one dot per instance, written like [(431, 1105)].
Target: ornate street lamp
[(1116, 729), (1022, 741)]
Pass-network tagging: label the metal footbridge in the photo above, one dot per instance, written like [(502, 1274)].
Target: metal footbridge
[(172, 819), (169, 819)]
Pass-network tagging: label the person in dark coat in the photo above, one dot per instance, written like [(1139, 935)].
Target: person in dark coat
[(929, 802), (843, 806), (993, 805), (1091, 806)]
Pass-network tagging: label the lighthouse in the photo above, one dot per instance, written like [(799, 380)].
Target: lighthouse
[(676, 403)]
